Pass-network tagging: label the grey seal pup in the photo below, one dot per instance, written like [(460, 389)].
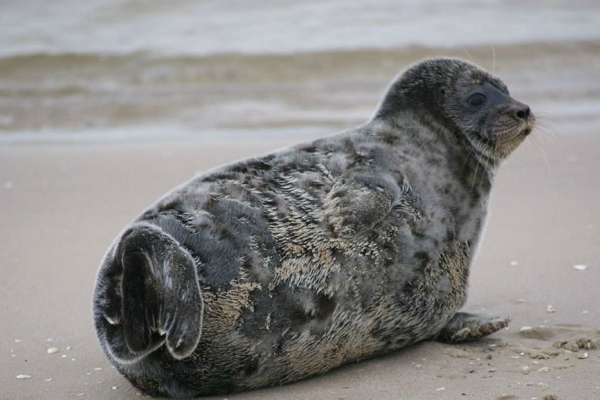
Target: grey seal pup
[(284, 266)]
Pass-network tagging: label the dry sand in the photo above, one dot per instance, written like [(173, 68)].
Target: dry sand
[(61, 205)]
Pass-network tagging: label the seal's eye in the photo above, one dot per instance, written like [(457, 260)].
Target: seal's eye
[(477, 100)]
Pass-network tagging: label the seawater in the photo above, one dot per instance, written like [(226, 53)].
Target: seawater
[(201, 27), (210, 65)]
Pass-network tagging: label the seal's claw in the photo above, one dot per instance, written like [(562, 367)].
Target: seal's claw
[(464, 327)]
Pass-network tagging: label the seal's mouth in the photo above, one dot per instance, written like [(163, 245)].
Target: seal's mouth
[(525, 132), (519, 132), (513, 138)]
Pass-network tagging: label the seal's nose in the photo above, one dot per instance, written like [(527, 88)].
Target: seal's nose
[(521, 112)]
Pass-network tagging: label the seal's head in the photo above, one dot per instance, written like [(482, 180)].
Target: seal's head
[(464, 98)]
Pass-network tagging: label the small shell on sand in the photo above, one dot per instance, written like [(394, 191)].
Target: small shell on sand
[(23, 376), (539, 332), (583, 356), (550, 309), (52, 350), (580, 267)]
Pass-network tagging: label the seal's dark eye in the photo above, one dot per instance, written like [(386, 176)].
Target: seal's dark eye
[(477, 100)]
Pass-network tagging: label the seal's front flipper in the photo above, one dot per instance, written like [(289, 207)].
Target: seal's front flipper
[(161, 297), (464, 327)]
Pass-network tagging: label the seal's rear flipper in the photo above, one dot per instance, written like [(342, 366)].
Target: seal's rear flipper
[(161, 297), (464, 327)]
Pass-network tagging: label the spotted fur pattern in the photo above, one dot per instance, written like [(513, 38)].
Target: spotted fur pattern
[(305, 259)]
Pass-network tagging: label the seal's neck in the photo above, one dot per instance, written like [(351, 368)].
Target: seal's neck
[(484, 156), (474, 167)]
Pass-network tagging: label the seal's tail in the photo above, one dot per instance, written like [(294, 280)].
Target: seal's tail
[(155, 296)]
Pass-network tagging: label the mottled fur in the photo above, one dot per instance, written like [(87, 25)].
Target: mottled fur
[(280, 267)]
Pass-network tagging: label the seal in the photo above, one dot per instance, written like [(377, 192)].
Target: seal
[(284, 266)]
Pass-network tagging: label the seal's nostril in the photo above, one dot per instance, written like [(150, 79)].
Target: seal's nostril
[(523, 113)]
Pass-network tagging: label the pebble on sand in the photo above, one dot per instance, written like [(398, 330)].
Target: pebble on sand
[(52, 350), (580, 267), (23, 376), (550, 309)]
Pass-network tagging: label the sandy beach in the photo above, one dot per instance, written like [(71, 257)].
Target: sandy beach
[(62, 205), (100, 116)]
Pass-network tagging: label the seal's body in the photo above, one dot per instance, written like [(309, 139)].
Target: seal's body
[(284, 266)]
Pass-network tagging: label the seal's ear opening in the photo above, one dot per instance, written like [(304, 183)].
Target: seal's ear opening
[(160, 291)]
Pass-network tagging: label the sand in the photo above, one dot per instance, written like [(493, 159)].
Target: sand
[(61, 205)]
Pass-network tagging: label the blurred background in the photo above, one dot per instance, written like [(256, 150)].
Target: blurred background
[(139, 69)]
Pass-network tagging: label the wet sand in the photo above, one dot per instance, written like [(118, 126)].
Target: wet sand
[(61, 205)]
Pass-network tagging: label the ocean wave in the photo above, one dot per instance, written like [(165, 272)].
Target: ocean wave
[(336, 89), (72, 73)]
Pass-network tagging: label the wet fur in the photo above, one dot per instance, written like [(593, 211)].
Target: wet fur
[(291, 264)]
